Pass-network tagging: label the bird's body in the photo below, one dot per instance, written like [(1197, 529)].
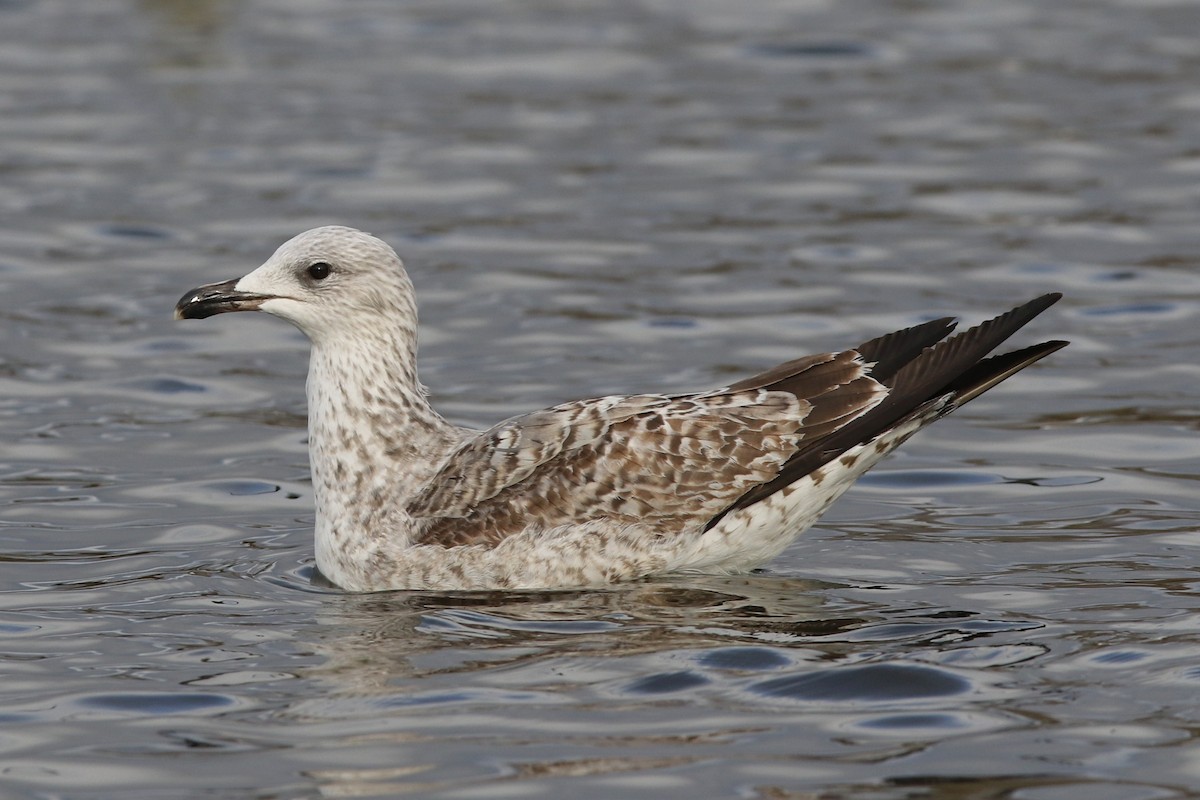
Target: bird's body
[(591, 492)]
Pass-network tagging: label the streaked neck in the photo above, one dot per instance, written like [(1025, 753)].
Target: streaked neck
[(373, 439)]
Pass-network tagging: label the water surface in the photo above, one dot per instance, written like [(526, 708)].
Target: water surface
[(598, 198)]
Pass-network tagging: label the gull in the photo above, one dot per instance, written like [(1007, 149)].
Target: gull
[(586, 493)]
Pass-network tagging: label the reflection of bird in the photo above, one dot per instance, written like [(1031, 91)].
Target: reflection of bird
[(594, 491)]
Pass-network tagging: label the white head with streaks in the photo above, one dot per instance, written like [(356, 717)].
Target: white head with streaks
[(331, 282)]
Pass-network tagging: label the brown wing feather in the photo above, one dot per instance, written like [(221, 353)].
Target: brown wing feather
[(671, 468), (666, 462), (513, 450), (683, 462)]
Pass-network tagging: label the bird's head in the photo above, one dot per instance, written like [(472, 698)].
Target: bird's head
[(326, 281)]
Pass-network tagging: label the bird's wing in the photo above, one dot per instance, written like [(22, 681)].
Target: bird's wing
[(669, 461), (921, 370), (684, 462)]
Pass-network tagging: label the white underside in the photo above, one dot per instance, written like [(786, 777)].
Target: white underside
[(750, 537)]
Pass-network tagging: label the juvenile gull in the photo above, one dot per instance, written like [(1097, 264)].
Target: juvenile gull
[(590, 492)]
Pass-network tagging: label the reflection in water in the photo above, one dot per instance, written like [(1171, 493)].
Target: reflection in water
[(508, 628), (514, 675), (512, 672)]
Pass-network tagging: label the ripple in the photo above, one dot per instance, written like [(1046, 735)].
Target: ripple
[(1137, 310), (744, 658), (125, 233), (503, 698), (933, 725), (839, 253), (819, 50), (1057, 482), (996, 203), (373, 194), (667, 682), (135, 232), (908, 479), (1074, 277), (165, 386), (243, 488), (871, 683), (911, 722), (156, 703), (1118, 657), (978, 657), (473, 623)]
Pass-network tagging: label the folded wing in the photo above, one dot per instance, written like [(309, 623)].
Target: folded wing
[(680, 463), (670, 462)]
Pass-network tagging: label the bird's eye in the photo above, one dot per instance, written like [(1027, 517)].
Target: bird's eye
[(319, 271)]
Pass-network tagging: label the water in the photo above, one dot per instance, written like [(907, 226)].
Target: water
[(594, 198)]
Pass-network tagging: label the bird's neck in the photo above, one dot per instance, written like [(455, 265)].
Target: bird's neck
[(373, 440)]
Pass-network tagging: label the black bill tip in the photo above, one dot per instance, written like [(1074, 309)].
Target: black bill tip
[(216, 298)]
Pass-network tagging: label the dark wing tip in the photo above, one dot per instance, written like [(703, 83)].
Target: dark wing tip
[(890, 352), (916, 374), (934, 371), (995, 370)]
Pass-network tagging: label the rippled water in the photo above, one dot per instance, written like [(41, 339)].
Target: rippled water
[(593, 198)]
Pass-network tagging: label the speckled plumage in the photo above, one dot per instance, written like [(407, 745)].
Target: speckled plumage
[(590, 492)]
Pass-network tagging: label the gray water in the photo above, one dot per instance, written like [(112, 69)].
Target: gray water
[(600, 197)]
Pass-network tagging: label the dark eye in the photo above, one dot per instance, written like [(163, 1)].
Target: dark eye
[(319, 271)]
